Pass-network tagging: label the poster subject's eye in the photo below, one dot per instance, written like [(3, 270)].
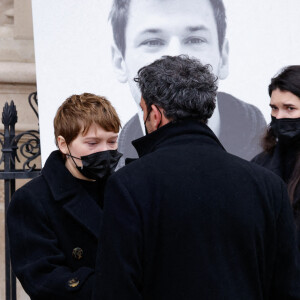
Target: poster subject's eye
[(195, 40), (153, 43)]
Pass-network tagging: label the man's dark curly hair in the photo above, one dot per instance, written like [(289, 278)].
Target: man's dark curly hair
[(181, 86)]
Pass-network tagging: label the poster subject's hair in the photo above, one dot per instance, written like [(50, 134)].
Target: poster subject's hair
[(78, 112), (181, 86), (119, 19)]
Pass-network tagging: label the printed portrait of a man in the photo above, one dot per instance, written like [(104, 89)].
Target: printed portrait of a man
[(145, 30)]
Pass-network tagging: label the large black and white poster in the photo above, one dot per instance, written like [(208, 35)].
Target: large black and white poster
[(98, 46)]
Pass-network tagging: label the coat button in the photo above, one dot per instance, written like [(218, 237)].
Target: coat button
[(73, 282), (77, 253)]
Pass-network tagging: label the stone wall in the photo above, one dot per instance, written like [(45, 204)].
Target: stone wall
[(17, 81)]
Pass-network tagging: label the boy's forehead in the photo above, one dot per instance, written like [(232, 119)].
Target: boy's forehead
[(88, 129), (95, 130)]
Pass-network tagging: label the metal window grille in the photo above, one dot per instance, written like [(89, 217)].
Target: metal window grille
[(22, 147)]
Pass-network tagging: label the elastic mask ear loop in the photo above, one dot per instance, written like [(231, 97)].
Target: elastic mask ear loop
[(147, 117), (160, 116), (73, 158), (146, 130)]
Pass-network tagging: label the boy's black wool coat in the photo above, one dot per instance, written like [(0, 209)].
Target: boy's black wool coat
[(53, 226)]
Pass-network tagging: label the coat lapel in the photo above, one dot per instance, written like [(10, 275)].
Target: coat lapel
[(64, 186), (85, 211)]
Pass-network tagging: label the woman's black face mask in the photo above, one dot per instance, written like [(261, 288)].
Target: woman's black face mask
[(98, 165), (286, 130)]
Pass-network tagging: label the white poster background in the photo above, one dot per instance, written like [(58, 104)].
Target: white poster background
[(72, 48)]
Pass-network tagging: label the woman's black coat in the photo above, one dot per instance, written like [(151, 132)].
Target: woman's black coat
[(53, 225), (272, 161)]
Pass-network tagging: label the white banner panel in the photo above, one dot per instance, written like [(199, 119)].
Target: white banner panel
[(73, 47)]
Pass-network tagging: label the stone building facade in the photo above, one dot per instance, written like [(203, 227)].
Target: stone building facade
[(17, 81)]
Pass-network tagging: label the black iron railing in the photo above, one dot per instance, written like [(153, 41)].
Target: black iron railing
[(24, 147)]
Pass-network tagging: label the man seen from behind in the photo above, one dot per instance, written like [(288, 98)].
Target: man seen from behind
[(188, 220)]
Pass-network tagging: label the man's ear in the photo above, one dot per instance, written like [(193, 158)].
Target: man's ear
[(118, 63), (156, 117), (62, 145), (223, 67)]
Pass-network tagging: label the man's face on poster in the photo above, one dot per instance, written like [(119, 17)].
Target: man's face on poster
[(169, 27)]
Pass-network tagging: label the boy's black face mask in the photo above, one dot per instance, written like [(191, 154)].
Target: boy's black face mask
[(98, 165), (286, 130)]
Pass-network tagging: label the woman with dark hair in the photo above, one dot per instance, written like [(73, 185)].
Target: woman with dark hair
[(281, 143)]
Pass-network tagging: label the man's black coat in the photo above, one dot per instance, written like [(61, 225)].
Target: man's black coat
[(189, 221), (53, 226)]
